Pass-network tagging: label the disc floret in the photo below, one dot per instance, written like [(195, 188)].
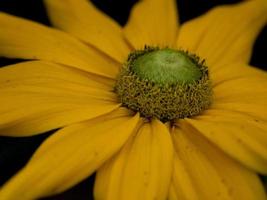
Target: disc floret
[(164, 83)]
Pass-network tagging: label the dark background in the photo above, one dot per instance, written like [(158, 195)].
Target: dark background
[(14, 152)]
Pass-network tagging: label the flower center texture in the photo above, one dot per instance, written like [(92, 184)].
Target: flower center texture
[(164, 83)]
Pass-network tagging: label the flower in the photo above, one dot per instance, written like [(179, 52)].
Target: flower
[(69, 84)]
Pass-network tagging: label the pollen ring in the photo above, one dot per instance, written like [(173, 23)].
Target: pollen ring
[(163, 101)]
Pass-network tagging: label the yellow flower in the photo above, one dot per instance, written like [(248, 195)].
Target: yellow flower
[(214, 155)]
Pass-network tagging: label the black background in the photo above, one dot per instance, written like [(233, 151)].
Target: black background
[(14, 152)]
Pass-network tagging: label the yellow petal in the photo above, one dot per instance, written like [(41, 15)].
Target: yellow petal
[(152, 22), (240, 85), (240, 136), (141, 170), (254, 110), (221, 74), (35, 41), (82, 19), (240, 88), (38, 96), (243, 90), (202, 171), (69, 156), (225, 34)]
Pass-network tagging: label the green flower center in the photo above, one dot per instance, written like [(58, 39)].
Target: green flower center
[(166, 66), (164, 83)]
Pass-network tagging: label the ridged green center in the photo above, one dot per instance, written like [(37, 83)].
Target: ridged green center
[(166, 66)]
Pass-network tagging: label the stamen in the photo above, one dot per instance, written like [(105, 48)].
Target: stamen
[(164, 83)]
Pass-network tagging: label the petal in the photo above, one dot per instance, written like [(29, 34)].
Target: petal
[(243, 90), (82, 19), (240, 136), (233, 71), (240, 88), (226, 33), (69, 156), (152, 22), (38, 96), (254, 110), (35, 41), (247, 88), (202, 171), (141, 170)]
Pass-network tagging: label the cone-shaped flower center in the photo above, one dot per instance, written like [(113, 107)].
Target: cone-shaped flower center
[(164, 83), (166, 66)]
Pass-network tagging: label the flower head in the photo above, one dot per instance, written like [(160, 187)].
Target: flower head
[(138, 104)]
